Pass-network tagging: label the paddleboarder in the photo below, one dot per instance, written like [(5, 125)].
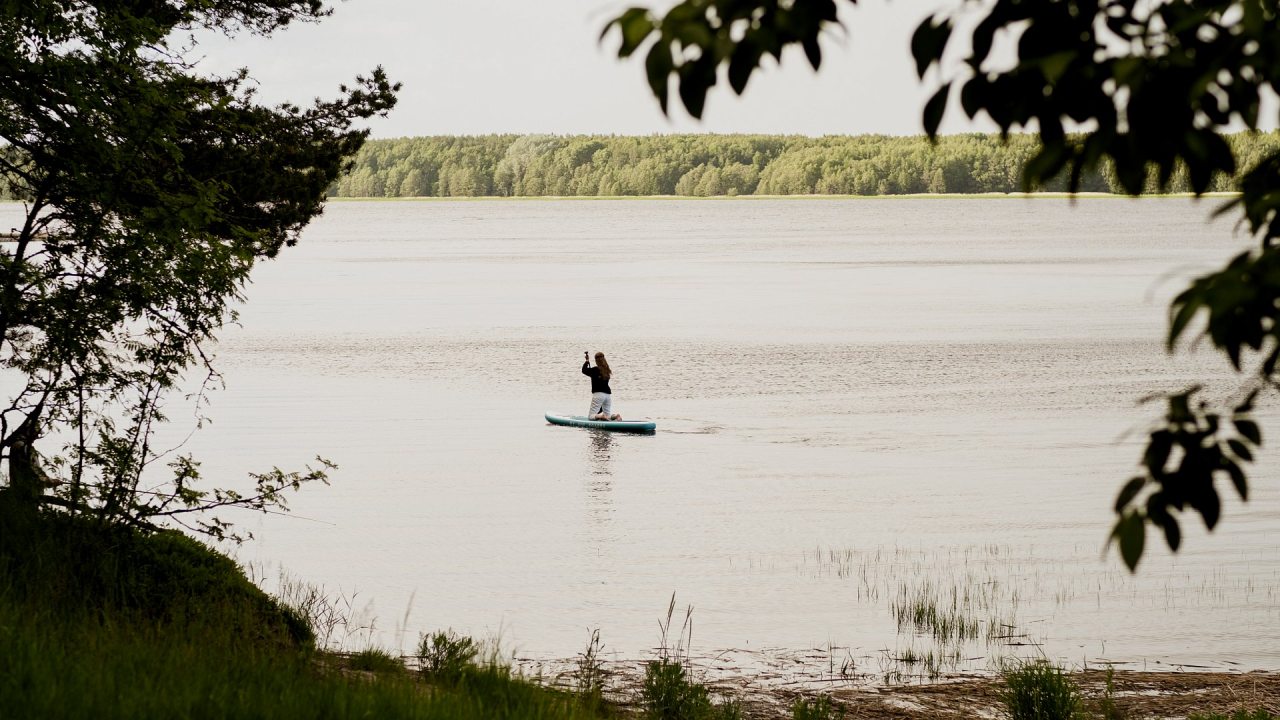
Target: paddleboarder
[(601, 395)]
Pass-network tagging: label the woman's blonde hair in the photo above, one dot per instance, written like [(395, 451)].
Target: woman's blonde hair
[(603, 364)]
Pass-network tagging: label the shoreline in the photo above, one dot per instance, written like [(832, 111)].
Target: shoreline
[(1134, 693), (750, 198), (729, 198)]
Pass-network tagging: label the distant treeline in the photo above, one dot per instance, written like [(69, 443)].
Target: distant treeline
[(707, 165)]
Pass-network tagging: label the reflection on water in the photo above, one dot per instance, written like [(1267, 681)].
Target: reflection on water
[(601, 447), (599, 482)]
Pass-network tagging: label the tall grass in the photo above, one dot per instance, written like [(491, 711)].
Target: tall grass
[(591, 677), (1040, 691), (668, 692), (334, 617), (59, 667)]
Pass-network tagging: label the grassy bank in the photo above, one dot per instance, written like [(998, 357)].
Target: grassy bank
[(105, 622)]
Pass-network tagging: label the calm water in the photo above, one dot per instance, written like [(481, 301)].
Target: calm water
[(858, 402)]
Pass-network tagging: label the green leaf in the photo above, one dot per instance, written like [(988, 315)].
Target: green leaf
[(1127, 70), (1157, 453), (812, 51), (695, 79), (657, 66), (1172, 533), (1053, 66), (1237, 478), (983, 37), (1129, 492), (1207, 503), (1249, 112), (1271, 362), (1041, 168), (928, 43), (1247, 405), (1249, 429), (1131, 532), (694, 32), (971, 96), (934, 109), (1240, 449), (635, 25), (1185, 307), (743, 62), (1180, 405)]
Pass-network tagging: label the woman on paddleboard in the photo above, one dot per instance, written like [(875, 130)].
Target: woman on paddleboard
[(601, 396)]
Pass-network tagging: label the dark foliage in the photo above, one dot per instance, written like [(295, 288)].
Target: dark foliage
[(151, 191)]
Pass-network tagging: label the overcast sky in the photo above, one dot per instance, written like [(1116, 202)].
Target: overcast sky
[(499, 66)]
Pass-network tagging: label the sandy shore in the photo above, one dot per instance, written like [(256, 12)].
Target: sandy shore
[(1135, 694)]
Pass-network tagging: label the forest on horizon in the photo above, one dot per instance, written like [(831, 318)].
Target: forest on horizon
[(721, 165), (705, 165)]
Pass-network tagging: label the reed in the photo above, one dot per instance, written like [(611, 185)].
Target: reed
[(335, 618), (591, 676)]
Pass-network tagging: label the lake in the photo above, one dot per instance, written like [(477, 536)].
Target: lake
[(863, 406)]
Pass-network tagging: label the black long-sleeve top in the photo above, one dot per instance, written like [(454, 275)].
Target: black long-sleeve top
[(598, 384)]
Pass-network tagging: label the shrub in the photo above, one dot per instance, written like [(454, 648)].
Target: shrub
[(446, 655), (1039, 691), (819, 708), (669, 694), (376, 661)]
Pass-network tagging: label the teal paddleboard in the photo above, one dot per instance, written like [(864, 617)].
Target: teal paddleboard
[(635, 426)]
